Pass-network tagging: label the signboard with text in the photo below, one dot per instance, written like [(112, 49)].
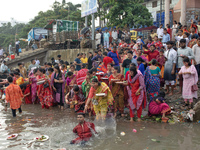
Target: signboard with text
[(88, 7)]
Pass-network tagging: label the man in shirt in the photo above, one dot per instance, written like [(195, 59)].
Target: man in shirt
[(106, 36), (84, 59), (114, 55), (84, 130), (33, 65), (98, 38), (78, 62), (183, 52), (58, 60), (107, 60), (115, 36), (126, 63), (160, 32), (153, 34), (14, 96), (152, 53), (37, 62), (22, 70), (17, 45), (196, 51), (10, 49), (4, 67), (166, 37), (170, 65)]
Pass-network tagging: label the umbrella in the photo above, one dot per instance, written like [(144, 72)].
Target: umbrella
[(85, 30)]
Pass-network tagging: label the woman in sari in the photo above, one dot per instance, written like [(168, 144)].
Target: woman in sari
[(161, 62), (158, 106), (58, 85), (139, 54), (70, 81), (18, 80), (137, 93), (152, 79), (100, 102), (157, 43), (33, 82), (44, 91), (117, 91)]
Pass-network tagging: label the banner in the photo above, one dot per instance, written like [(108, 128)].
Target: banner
[(88, 7)]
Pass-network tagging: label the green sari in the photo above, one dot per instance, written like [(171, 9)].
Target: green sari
[(86, 87)]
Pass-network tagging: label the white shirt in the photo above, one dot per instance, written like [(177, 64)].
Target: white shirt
[(3, 68), (196, 51), (114, 35), (171, 56), (98, 38), (37, 62), (1, 52), (160, 32), (17, 43)]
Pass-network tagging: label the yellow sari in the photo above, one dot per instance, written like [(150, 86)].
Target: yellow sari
[(20, 81)]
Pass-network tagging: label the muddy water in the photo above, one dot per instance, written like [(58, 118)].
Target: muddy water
[(58, 125)]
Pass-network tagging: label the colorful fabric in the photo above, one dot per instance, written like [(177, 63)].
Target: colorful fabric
[(101, 68), (45, 94), (81, 75), (86, 87), (158, 44), (33, 82), (107, 60), (141, 68), (71, 81), (28, 98), (118, 93), (192, 43), (158, 108), (161, 60), (152, 83), (102, 101), (151, 55), (14, 96), (19, 81)]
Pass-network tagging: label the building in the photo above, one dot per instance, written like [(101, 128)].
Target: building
[(157, 9)]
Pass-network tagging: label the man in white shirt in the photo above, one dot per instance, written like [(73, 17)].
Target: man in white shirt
[(114, 36), (160, 32), (1, 52), (37, 62), (17, 44), (4, 67), (98, 38), (10, 49), (196, 51)]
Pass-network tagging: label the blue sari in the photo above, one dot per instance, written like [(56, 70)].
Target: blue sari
[(152, 83)]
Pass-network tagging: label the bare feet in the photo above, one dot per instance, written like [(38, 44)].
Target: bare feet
[(131, 120), (122, 115), (167, 92), (139, 120), (115, 115)]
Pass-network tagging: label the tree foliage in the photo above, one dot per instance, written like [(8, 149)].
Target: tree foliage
[(127, 13), (63, 11)]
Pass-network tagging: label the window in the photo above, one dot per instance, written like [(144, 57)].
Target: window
[(154, 4)]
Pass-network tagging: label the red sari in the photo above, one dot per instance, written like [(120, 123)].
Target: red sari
[(45, 94), (158, 44), (28, 98)]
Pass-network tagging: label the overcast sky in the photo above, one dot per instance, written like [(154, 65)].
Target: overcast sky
[(25, 10)]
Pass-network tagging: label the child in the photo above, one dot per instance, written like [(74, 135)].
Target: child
[(159, 107)]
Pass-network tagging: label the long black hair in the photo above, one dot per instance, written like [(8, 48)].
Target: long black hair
[(59, 72), (134, 69)]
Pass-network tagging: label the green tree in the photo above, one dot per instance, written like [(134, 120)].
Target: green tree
[(128, 13)]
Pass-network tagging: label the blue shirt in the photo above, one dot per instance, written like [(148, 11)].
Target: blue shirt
[(166, 38), (78, 61), (114, 57), (106, 36)]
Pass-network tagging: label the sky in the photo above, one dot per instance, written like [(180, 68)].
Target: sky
[(25, 10)]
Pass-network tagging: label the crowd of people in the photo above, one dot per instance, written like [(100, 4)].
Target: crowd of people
[(121, 73)]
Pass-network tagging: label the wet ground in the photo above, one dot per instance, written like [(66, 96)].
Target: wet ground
[(58, 125)]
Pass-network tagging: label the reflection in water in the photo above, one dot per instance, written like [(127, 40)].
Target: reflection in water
[(58, 125)]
